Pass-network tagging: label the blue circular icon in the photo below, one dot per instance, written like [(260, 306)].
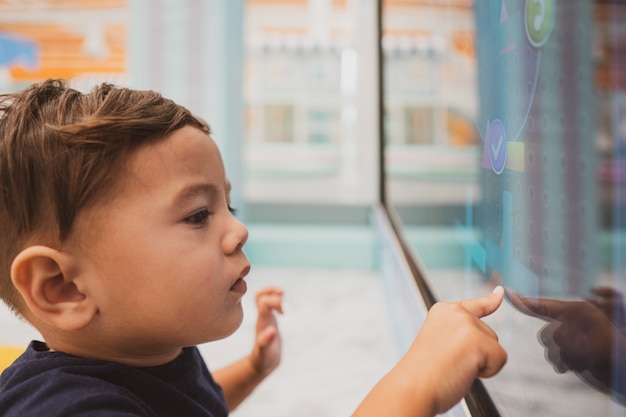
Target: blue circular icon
[(496, 141)]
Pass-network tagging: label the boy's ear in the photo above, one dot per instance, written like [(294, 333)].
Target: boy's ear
[(47, 281)]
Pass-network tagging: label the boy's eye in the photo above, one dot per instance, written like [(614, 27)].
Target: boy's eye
[(198, 218)]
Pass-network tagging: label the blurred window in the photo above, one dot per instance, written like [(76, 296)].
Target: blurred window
[(279, 123), (308, 88)]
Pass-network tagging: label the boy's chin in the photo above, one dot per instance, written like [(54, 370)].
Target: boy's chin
[(227, 332)]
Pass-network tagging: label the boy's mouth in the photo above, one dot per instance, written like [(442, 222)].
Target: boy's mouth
[(239, 286)]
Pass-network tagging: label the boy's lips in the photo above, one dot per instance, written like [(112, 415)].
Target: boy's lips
[(240, 285)]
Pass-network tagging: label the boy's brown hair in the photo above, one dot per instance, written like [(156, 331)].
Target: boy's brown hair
[(62, 150)]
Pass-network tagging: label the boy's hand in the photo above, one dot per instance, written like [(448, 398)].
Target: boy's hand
[(453, 348), (242, 377), (266, 354)]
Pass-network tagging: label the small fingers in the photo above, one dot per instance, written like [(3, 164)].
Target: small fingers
[(269, 291), (495, 358), (270, 298), (484, 306)]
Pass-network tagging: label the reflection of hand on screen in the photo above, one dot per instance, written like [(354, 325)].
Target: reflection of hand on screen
[(581, 336), (611, 302)]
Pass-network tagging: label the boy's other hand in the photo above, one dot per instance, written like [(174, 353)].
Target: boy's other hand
[(267, 348)]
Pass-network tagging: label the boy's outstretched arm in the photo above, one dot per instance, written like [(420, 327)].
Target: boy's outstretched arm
[(451, 350), (239, 379)]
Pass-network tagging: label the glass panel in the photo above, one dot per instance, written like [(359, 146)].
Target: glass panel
[(505, 131)]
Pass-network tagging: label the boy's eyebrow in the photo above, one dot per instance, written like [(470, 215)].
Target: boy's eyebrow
[(190, 191)]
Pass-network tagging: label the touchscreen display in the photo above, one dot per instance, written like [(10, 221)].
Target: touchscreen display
[(519, 179)]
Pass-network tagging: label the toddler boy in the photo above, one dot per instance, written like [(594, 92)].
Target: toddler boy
[(121, 248)]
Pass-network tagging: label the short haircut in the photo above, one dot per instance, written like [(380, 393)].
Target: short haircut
[(62, 150)]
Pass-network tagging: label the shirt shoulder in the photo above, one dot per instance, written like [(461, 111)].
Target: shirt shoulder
[(41, 382), (54, 384)]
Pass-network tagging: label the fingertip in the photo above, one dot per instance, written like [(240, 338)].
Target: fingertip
[(277, 290), (270, 291), (498, 292), (484, 306)]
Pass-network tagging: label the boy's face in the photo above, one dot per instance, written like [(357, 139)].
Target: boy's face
[(164, 257)]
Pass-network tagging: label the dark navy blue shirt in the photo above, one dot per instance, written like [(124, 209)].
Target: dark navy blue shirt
[(45, 383)]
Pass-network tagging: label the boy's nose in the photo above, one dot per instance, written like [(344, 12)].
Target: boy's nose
[(236, 237)]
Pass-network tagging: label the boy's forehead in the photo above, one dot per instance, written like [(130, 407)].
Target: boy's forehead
[(187, 153), (189, 191), (187, 145)]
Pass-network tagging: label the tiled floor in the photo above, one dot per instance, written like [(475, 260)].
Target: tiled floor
[(337, 341)]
